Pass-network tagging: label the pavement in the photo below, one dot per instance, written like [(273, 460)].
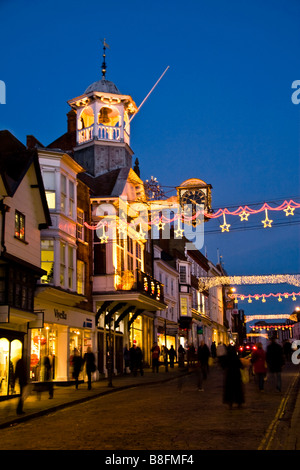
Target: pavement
[(66, 396), (38, 405)]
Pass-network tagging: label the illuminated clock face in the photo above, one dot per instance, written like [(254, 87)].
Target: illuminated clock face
[(193, 196)]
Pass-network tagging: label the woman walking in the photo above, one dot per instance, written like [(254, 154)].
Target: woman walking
[(258, 359)]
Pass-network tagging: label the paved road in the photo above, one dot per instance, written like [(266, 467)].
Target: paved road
[(167, 416)]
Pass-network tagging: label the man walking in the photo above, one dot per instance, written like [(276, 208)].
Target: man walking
[(275, 360)]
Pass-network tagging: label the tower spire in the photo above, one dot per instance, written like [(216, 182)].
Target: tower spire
[(105, 45)]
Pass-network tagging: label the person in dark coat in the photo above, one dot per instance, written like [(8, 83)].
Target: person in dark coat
[(202, 366), (181, 353), (172, 355), (48, 375), (275, 361), (126, 356), (90, 367), (233, 391), (21, 376), (77, 366)]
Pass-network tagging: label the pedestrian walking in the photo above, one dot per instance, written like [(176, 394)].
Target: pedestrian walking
[(221, 353), (90, 366), (21, 376), (213, 349), (258, 360), (275, 361), (172, 355), (140, 360), (126, 356), (155, 357), (203, 357), (181, 353), (47, 369), (77, 366), (233, 391), (287, 349)]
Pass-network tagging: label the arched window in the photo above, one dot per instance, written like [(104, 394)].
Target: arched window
[(86, 118)]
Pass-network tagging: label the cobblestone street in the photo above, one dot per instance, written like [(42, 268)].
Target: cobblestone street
[(169, 416)]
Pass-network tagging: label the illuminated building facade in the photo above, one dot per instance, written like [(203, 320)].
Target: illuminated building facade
[(23, 214)]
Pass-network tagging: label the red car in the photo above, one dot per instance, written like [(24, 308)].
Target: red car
[(246, 348)]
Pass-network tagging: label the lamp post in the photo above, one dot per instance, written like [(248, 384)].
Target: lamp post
[(110, 355)]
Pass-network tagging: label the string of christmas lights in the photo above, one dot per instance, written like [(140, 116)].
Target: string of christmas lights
[(213, 281), (159, 219), (279, 296)]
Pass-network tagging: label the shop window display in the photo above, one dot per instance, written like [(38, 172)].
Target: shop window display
[(43, 347), (10, 353)]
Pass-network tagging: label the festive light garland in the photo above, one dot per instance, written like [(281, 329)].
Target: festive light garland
[(269, 327), (285, 295), (160, 220), (213, 281), (249, 318)]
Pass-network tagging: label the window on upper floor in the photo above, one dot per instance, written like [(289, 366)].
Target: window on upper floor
[(80, 277), (19, 226), (80, 225), (182, 274), (63, 193), (49, 184), (47, 261)]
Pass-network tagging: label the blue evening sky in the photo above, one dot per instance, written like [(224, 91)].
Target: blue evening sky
[(222, 112)]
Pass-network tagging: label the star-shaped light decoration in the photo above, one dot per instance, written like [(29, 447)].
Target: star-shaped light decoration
[(289, 210), (179, 231), (103, 238), (161, 225), (244, 215), (267, 222), (225, 226)]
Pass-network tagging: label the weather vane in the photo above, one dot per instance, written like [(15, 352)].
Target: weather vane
[(105, 45)]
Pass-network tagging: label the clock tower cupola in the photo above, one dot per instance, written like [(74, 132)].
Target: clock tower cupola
[(103, 117)]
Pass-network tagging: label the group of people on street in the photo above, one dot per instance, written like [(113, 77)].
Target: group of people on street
[(134, 359), (261, 361)]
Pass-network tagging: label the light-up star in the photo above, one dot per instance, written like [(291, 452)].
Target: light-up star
[(225, 226), (161, 225), (267, 222), (179, 232), (289, 210), (244, 215)]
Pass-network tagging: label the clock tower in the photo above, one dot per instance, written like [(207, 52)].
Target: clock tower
[(103, 117), (195, 192)]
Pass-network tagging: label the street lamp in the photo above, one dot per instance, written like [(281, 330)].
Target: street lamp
[(110, 355)]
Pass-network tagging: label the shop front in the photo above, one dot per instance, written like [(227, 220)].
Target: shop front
[(63, 332)]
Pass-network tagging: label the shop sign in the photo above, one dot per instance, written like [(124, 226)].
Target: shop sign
[(4, 313), (39, 322), (60, 315), (199, 330)]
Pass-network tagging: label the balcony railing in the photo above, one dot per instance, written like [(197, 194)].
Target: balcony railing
[(102, 132), (135, 280)]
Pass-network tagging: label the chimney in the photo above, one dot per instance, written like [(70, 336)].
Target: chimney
[(71, 121)]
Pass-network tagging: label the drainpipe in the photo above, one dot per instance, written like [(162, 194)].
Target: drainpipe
[(3, 208)]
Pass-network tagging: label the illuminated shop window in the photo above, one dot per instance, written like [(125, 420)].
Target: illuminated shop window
[(10, 353), (43, 345)]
